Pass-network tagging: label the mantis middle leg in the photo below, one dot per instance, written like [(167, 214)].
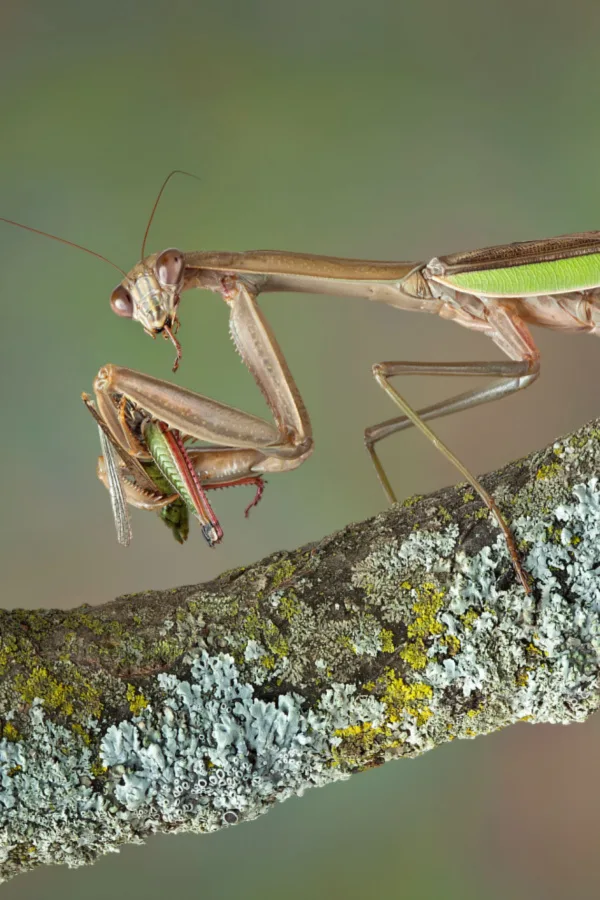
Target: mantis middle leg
[(511, 334)]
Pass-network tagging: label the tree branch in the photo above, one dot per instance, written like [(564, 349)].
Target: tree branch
[(198, 707)]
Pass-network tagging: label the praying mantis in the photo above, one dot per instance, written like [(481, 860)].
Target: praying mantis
[(498, 291)]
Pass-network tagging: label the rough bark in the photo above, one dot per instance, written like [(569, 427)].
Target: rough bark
[(199, 707)]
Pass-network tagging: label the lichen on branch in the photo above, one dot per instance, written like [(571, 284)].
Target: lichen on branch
[(197, 708)]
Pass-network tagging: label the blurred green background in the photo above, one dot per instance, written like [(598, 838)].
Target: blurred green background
[(381, 129)]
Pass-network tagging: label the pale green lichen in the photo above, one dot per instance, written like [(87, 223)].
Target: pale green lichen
[(366, 639), (208, 753)]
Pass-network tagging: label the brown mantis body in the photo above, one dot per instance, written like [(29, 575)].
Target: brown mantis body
[(152, 289), (497, 291)]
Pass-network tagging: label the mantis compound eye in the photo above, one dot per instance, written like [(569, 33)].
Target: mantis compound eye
[(169, 267), (121, 302)]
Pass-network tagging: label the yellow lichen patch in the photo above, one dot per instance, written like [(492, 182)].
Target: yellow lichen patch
[(400, 698), (359, 743), (452, 644), (265, 632), (472, 713), (68, 642), (387, 640), (281, 572), (97, 768), (345, 641), (549, 471), (411, 501), (66, 698), (522, 678), (137, 701), (166, 650), (429, 603), (268, 662), (422, 715), (10, 732), (8, 648), (80, 730), (469, 617), (578, 442), (78, 619), (276, 643), (415, 654), (531, 648), (444, 514), (288, 607), (468, 496), (554, 534)]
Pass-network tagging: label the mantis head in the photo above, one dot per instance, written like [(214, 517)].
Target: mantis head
[(149, 294)]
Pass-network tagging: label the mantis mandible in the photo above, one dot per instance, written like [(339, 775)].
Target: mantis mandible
[(498, 291)]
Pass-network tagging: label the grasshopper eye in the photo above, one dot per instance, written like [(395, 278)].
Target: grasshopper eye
[(169, 267), (121, 302)]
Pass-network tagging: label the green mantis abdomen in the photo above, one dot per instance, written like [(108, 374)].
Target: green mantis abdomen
[(578, 273)]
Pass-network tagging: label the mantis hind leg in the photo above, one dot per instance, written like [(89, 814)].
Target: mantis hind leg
[(510, 375), (511, 335)]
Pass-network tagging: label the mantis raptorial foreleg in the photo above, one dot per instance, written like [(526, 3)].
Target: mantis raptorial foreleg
[(146, 422)]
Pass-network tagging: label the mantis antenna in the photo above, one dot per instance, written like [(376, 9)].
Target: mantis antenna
[(64, 241), (157, 201)]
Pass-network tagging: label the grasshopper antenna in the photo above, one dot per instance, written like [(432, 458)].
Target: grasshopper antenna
[(64, 241), (157, 201)]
